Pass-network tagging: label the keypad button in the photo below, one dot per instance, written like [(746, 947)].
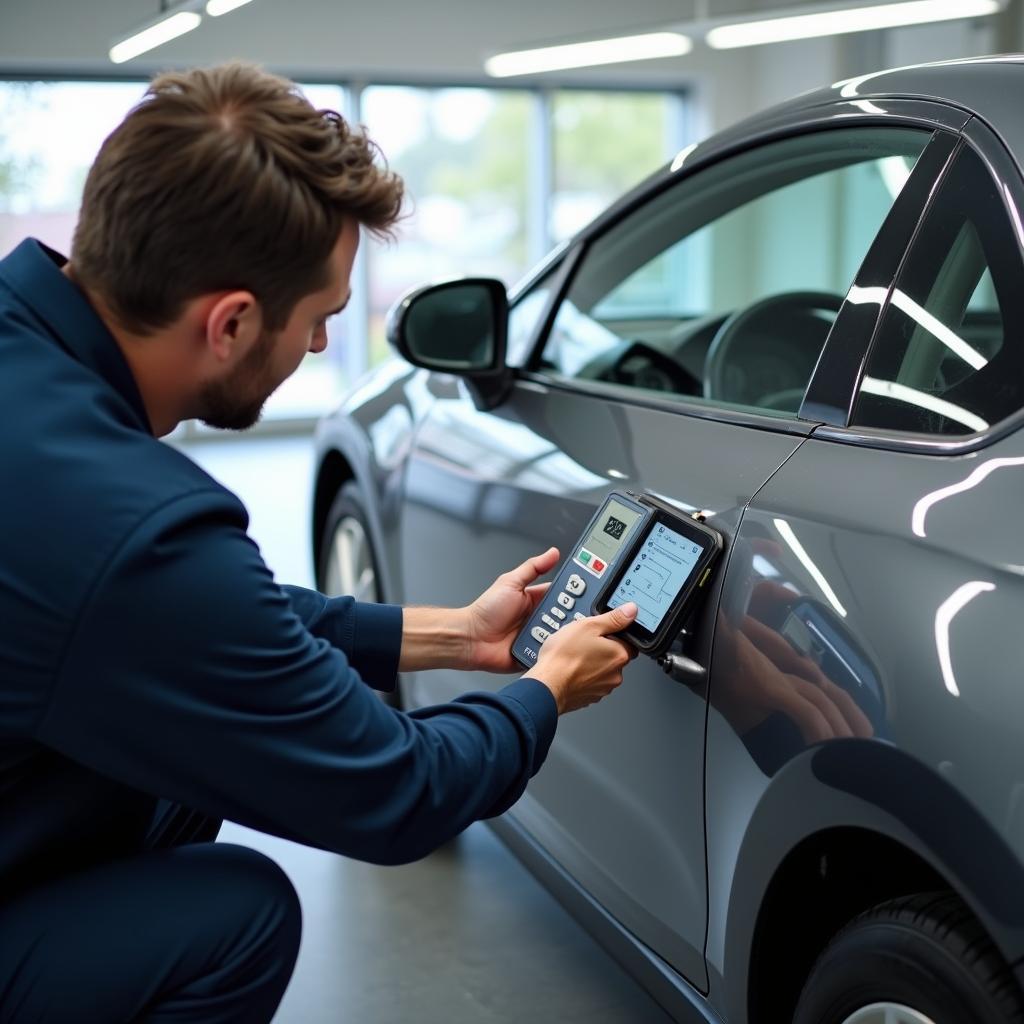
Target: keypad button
[(578, 617), (549, 622), (557, 612), (539, 634), (565, 600), (575, 585)]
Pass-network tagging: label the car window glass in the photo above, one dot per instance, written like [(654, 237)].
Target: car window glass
[(941, 362), (723, 288), (523, 321)]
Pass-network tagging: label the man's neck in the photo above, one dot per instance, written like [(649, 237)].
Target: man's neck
[(150, 358)]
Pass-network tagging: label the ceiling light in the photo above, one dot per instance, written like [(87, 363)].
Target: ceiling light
[(215, 8), (168, 26), (581, 55), (853, 19)]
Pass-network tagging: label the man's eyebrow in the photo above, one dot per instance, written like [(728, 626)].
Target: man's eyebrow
[(338, 309)]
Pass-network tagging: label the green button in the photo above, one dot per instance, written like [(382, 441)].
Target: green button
[(584, 556)]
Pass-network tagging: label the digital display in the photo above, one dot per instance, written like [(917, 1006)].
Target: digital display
[(658, 573), (613, 526)]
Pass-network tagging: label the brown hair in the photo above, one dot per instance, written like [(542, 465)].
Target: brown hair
[(224, 178)]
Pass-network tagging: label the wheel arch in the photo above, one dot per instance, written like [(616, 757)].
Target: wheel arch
[(334, 471), (842, 827)]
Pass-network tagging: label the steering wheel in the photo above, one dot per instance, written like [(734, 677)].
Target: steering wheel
[(764, 354), (643, 366)]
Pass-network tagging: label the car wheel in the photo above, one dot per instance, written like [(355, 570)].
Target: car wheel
[(348, 565), (922, 959)]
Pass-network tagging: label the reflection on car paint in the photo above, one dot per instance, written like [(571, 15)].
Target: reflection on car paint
[(944, 616), (925, 503)]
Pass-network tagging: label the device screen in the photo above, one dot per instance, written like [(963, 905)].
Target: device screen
[(663, 564), (604, 540)]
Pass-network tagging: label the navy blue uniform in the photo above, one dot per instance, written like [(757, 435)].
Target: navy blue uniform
[(153, 676)]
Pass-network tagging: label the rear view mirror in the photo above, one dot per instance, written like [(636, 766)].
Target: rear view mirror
[(456, 327)]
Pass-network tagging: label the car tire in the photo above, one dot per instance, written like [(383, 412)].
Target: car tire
[(922, 959), (348, 564)]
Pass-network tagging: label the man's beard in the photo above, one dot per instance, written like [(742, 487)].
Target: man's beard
[(236, 402)]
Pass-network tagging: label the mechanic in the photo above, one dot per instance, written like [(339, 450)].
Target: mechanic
[(154, 678)]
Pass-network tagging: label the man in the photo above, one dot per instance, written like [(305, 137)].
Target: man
[(154, 678)]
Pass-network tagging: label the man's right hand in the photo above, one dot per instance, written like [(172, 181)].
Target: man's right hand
[(582, 662)]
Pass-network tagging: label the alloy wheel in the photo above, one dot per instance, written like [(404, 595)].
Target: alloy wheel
[(887, 1013), (350, 570)]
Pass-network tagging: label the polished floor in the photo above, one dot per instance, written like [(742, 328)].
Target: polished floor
[(465, 936)]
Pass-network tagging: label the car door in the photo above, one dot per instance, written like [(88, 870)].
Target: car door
[(644, 381)]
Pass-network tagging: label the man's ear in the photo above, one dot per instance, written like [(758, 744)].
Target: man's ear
[(233, 323)]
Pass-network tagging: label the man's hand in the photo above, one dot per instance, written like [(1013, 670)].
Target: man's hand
[(495, 618), (581, 663)]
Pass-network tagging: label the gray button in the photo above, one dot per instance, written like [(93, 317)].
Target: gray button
[(549, 622), (538, 634), (565, 600), (575, 585), (557, 612), (578, 618)]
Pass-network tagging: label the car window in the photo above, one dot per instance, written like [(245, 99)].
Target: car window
[(942, 362), (723, 288), (524, 319)]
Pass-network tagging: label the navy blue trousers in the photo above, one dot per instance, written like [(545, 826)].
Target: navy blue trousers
[(190, 930)]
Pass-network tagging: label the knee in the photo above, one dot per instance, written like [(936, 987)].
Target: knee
[(263, 890)]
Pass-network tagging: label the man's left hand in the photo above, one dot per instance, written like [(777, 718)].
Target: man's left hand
[(495, 618)]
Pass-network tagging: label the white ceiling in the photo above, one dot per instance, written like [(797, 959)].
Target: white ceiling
[(397, 39)]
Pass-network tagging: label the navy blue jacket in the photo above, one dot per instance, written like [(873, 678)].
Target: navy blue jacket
[(146, 651)]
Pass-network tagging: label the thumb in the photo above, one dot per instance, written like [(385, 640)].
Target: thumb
[(523, 575), (617, 619)]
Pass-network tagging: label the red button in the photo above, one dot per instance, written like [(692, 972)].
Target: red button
[(598, 565)]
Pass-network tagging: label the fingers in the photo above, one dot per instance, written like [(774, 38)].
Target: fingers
[(536, 594), (523, 575), (858, 722), (616, 620)]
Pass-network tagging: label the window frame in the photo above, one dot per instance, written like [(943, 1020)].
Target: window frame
[(1005, 172), (903, 217)]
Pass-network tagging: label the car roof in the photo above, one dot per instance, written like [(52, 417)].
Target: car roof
[(987, 88)]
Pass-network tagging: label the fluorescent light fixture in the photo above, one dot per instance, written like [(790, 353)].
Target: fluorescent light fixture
[(215, 8), (581, 55), (162, 31), (851, 19)]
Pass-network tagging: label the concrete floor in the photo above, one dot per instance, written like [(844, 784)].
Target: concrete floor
[(465, 936)]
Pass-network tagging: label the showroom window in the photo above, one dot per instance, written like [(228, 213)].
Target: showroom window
[(463, 154), (942, 362), (603, 144), (724, 288)]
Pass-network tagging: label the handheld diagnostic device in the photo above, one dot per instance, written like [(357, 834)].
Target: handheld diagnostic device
[(636, 548)]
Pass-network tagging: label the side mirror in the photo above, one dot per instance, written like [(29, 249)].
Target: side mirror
[(456, 327)]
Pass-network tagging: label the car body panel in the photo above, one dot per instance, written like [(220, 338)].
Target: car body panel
[(919, 548), (485, 491)]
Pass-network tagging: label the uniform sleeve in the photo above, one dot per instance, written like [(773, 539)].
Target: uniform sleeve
[(369, 635), (190, 676)]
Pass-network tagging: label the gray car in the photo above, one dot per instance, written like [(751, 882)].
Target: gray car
[(811, 327)]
